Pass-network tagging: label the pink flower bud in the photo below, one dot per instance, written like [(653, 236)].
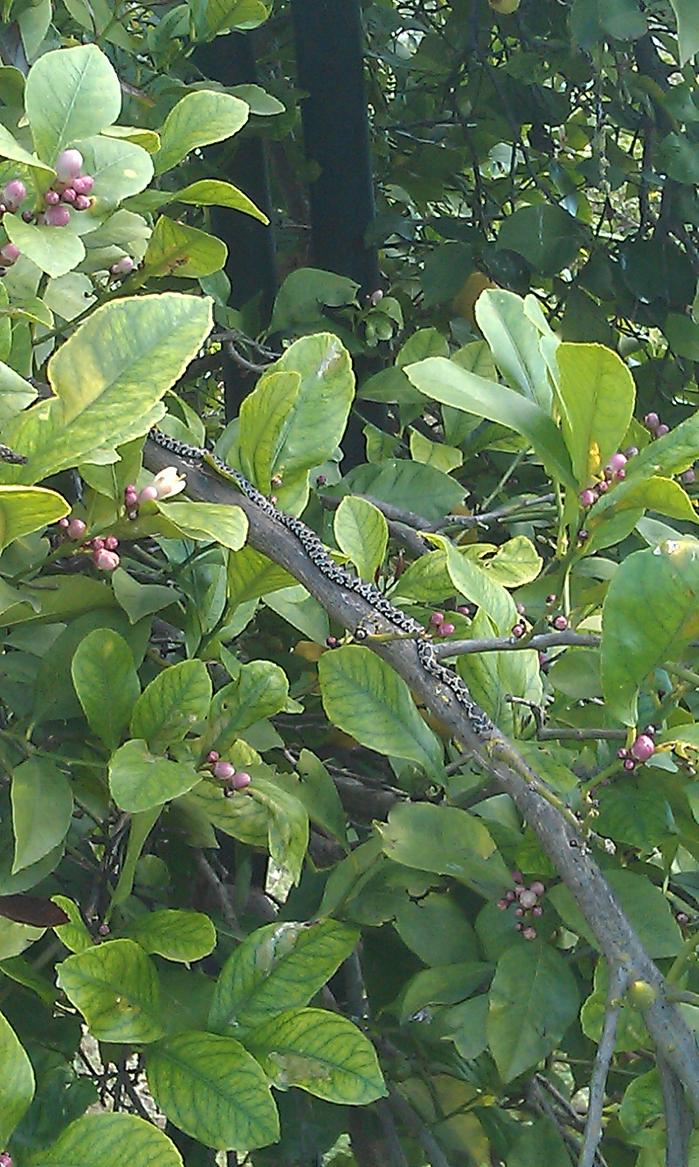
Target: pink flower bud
[(57, 216), (52, 198), (662, 430), (82, 203), (587, 498), (224, 771), (509, 896), (502, 905), (213, 756), (10, 253), (97, 543), (631, 451), (519, 912), (83, 184), (445, 629), (105, 560), (111, 542), (629, 764), (436, 619), (616, 462), (240, 780), (620, 474), (68, 165), (168, 482), (65, 523), (537, 887), (376, 297), (28, 216), (148, 494), (103, 929), (518, 877), (529, 933), (68, 196), (5, 1159), (76, 530), (602, 487), (688, 477), (651, 421), (560, 623), (643, 748), (518, 631), (528, 899), (123, 266), (537, 911), (464, 610), (14, 193)]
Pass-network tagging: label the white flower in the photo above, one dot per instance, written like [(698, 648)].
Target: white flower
[(168, 482)]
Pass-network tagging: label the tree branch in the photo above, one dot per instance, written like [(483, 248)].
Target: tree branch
[(498, 757), (678, 1121), (605, 1053)]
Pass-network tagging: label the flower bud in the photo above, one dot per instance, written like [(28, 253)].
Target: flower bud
[(587, 498), (111, 542), (64, 523), (518, 631), (14, 193), (168, 482), (662, 430), (28, 216), (213, 756), (240, 780), (376, 297), (10, 253), (643, 748), (76, 529), (529, 933), (651, 421), (5, 1159), (106, 560), (629, 764), (57, 216), (616, 462), (688, 477), (148, 494), (68, 165), (123, 266), (445, 629), (560, 623), (528, 898), (502, 905), (518, 877), (436, 619), (83, 184), (52, 198), (82, 203), (68, 196), (537, 887), (223, 771)]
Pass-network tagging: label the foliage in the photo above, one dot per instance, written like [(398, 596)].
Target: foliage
[(247, 883)]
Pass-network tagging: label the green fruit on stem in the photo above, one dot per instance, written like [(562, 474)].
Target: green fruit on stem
[(504, 7), (641, 994)]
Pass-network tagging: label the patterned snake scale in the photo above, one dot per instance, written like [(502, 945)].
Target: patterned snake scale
[(316, 552)]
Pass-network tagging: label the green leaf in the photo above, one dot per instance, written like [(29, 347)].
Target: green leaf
[(616, 513), (172, 704), (263, 420), (278, 967), (287, 826), (547, 236), (303, 296), (70, 94), (445, 985), (251, 575), (533, 1000), (319, 795), (107, 378), (361, 533), (437, 930), (642, 902), (687, 28), (670, 454), (107, 1140), (16, 1081), (120, 169), (24, 509), (74, 935), (322, 1053), (596, 396), (445, 458), (39, 783), (138, 780), (472, 582), (213, 1090), (54, 250), (212, 192), (216, 16), (139, 600), (444, 381), (208, 522), (411, 486), (10, 148), (364, 697), (514, 341), (592, 21), (445, 840), (663, 584), (115, 987), (106, 682), (175, 249), (260, 690), (197, 120), (537, 1144), (176, 935), (677, 157)]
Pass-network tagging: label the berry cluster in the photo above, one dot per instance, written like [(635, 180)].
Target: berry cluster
[(5, 1159), (520, 627), (527, 901), (226, 773), (614, 471), (103, 551), (440, 624), (640, 750), (165, 484)]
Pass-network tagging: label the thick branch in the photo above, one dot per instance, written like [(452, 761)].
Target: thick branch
[(615, 936)]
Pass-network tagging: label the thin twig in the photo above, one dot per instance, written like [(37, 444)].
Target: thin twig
[(540, 642), (605, 1052), (417, 1128), (221, 893), (678, 1120)]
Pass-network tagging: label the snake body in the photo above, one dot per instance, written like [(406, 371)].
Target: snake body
[(335, 573)]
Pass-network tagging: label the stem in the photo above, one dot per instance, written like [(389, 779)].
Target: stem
[(598, 1082)]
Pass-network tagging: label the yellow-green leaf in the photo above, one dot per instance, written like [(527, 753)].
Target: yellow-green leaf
[(115, 987), (24, 509), (361, 532), (197, 120), (175, 249)]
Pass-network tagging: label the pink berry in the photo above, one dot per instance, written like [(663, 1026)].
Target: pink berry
[(651, 421), (57, 216), (105, 560), (509, 896), (629, 764), (68, 195), (148, 494), (528, 899), (620, 474), (518, 631), (76, 529), (224, 771), (529, 933), (587, 498), (111, 542), (68, 165), (662, 430), (83, 184), (643, 748), (103, 929), (52, 198), (10, 252), (65, 523), (14, 193), (436, 619), (213, 756), (537, 887), (688, 477), (602, 487), (631, 451), (28, 216), (240, 780), (622, 753), (502, 904), (445, 629), (537, 911), (560, 623), (122, 268), (519, 912), (464, 610), (82, 203), (97, 543), (518, 877), (5, 1159), (616, 462)]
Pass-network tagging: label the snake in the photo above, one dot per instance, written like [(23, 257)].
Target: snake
[(335, 573)]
